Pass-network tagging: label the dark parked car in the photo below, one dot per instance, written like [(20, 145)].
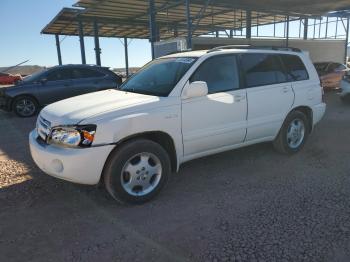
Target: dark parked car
[(54, 84), (330, 74)]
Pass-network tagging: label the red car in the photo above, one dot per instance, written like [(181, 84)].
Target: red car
[(331, 74), (8, 79)]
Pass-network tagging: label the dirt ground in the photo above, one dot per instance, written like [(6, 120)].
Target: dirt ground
[(250, 204)]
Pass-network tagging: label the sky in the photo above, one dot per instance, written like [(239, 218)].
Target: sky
[(20, 39)]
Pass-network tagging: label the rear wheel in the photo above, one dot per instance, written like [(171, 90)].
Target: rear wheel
[(25, 106), (137, 171), (293, 134)]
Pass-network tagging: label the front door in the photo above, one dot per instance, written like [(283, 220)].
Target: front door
[(218, 119), (58, 86)]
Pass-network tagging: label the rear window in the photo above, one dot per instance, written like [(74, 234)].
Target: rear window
[(262, 69), (296, 69)]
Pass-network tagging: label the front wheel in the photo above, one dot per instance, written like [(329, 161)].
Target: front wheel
[(137, 171), (25, 106), (293, 134)]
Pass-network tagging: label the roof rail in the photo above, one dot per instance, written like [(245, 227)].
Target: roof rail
[(277, 48)]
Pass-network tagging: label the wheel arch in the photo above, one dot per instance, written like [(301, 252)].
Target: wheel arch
[(159, 137), (308, 113), (13, 99)]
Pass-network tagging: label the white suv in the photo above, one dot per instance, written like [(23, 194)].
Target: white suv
[(177, 108)]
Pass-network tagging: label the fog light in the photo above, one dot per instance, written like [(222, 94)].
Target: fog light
[(57, 165)]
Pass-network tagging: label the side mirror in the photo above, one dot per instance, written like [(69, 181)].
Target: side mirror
[(195, 89), (43, 81)]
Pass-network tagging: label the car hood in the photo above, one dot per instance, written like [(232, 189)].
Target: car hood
[(76, 109), (14, 89)]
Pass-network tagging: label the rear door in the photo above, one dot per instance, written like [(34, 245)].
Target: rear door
[(270, 94), (86, 80)]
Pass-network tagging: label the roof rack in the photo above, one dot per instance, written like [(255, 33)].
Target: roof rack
[(277, 48)]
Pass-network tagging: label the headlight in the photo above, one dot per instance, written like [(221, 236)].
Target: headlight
[(72, 136)]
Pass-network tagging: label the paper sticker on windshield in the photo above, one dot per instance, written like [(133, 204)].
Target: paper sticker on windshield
[(185, 60)]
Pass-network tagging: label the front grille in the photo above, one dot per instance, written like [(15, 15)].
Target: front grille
[(43, 127)]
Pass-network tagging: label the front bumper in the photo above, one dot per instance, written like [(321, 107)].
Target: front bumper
[(5, 103), (82, 166)]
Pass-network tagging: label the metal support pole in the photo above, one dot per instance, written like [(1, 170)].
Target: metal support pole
[(57, 37), (152, 26), (241, 19), (287, 33), (347, 38), (306, 28), (126, 57), (319, 28), (189, 25), (82, 44), (326, 35), (176, 31), (97, 44), (249, 24), (336, 29), (157, 36), (234, 22), (257, 25)]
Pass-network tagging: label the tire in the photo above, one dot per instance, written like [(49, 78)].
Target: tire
[(289, 142), (136, 171), (25, 106)]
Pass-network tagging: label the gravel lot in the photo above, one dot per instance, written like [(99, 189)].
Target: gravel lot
[(250, 204)]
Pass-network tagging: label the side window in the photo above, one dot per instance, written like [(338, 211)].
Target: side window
[(59, 74), (219, 72), (339, 67), (262, 69), (296, 69), (85, 73)]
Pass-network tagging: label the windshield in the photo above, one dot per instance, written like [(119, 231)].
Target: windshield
[(158, 77), (34, 77)]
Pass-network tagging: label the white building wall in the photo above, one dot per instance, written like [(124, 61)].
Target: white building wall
[(319, 50)]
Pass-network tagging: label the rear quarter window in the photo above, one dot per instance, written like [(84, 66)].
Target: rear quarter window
[(296, 70)]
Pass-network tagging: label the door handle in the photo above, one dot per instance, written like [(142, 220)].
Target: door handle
[(285, 89), (239, 98)]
